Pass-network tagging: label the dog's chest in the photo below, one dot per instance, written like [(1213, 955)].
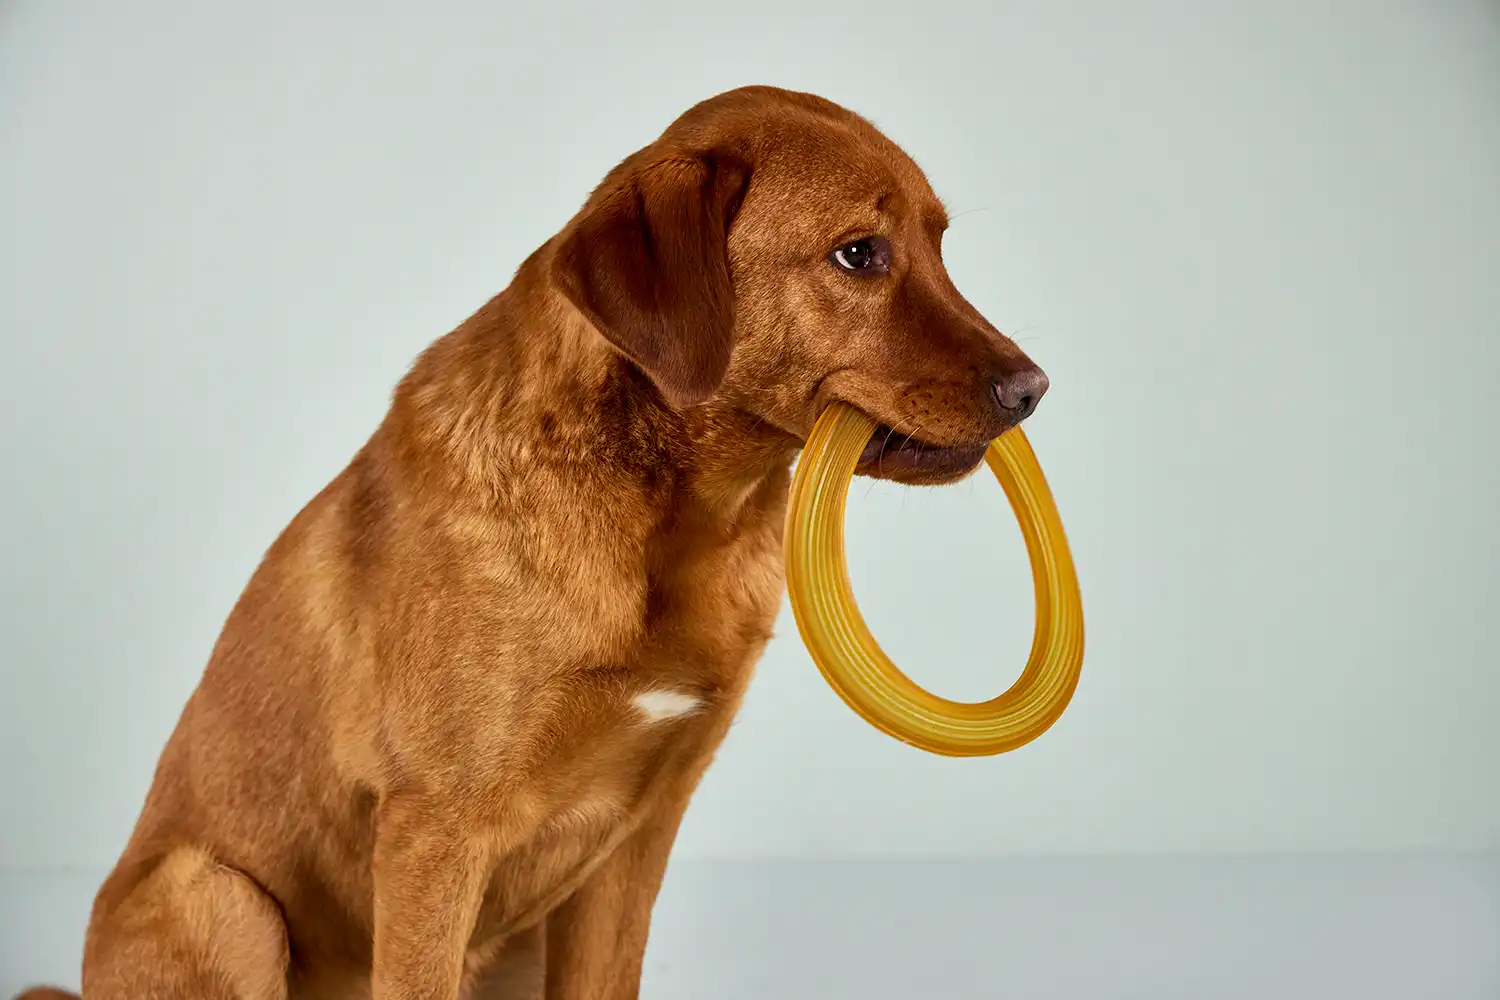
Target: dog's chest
[(611, 738), (711, 605)]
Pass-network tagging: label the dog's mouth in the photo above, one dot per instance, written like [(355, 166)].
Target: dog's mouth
[(892, 455)]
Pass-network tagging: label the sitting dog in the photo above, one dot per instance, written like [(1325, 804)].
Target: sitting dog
[(444, 742)]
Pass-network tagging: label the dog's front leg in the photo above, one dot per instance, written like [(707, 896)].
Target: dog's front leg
[(429, 880), (596, 941)]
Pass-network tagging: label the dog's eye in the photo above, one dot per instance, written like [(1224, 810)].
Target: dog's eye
[(869, 256)]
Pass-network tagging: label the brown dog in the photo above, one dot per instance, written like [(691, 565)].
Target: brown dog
[(444, 742)]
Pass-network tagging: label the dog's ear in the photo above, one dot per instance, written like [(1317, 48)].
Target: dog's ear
[(647, 263)]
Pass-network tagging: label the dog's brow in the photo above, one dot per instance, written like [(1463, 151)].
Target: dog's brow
[(935, 217)]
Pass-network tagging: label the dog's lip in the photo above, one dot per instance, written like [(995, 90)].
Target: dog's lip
[(889, 449)]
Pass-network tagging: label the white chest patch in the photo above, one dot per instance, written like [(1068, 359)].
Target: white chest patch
[(658, 706)]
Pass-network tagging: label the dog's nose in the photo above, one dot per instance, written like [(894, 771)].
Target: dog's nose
[(1019, 392)]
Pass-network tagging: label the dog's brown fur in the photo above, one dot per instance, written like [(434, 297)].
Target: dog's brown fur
[(416, 765)]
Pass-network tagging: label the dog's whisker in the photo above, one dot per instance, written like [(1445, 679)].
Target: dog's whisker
[(915, 434), (886, 444), (968, 211)]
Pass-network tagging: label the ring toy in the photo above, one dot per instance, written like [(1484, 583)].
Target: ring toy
[(852, 661)]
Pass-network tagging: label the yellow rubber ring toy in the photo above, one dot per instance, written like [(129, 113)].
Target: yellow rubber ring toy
[(848, 655)]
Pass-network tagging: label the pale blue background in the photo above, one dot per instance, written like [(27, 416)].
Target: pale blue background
[(1255, 245)]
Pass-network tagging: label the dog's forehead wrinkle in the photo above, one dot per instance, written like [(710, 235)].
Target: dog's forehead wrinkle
[(819, 213)]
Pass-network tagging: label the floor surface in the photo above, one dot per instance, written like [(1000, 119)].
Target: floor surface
[(1408, 928)]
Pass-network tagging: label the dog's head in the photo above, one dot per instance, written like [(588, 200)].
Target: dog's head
[(775, 251)]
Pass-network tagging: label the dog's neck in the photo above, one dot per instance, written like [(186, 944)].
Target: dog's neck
[(527, 379)]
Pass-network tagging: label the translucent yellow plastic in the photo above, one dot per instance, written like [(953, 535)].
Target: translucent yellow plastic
[(848, 655)]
